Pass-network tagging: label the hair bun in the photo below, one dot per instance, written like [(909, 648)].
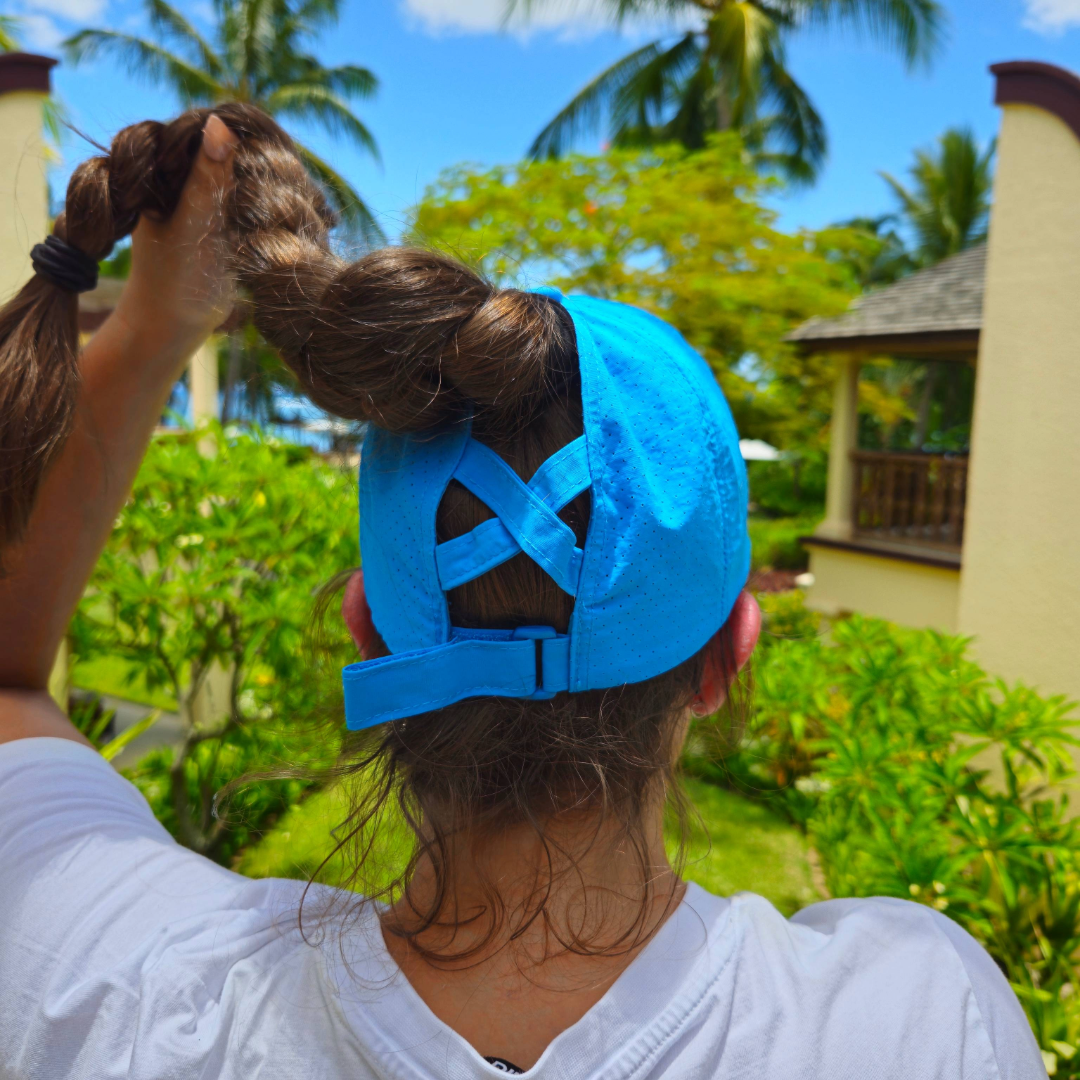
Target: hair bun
[(410, 340)]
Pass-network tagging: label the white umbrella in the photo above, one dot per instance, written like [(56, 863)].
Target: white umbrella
[(758, 450)]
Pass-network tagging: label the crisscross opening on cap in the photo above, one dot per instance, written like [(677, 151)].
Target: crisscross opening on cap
[(526, 516)]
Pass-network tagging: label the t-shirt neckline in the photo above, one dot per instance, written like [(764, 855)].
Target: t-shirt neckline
[(641, 1011)]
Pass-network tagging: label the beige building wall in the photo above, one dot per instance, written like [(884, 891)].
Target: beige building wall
[(1020, 584), (24, 206), (903, 592)]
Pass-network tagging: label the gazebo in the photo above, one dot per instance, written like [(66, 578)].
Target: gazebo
[(986, 544), (893, 532)]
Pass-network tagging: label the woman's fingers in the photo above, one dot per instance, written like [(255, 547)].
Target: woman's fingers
[(181, 280), (218, 140), (211, 179)]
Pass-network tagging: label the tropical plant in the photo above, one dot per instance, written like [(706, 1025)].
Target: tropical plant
[(683, 234), (257, 55), (948, 205), (728, 70), (918, 776), (206, 590)]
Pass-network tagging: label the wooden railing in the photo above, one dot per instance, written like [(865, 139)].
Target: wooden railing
[(913, 498)]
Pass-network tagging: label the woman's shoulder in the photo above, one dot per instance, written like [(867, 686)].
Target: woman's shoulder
[(895, 978)]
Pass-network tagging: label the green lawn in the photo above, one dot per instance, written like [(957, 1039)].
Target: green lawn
[(751, 848)]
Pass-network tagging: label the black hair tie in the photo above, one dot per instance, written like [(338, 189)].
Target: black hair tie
[(65, 266)]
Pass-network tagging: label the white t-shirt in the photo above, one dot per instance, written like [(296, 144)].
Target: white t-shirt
[(124, 955)]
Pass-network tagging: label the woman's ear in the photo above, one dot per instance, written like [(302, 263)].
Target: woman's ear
[(357, 616), (741, 631)]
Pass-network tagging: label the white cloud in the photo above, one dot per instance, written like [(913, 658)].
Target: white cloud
[(1052, 16), (573, 17), (75, 10), (40, 32)]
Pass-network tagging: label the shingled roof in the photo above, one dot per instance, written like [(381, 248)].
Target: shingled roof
[(938, 309)]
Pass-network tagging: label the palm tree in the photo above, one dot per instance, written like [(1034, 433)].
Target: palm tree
[(948, 206), (729, 71), (256, 55)]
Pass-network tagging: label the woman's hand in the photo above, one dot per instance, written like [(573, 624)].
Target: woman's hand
[(180, 288)]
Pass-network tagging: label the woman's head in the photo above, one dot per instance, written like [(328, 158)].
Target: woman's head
[(418, 345)]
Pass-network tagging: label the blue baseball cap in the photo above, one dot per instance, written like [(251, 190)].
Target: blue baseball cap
[(666, 555)]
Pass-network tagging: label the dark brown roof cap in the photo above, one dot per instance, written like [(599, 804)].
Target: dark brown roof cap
[(1031, 82), (25, 71)]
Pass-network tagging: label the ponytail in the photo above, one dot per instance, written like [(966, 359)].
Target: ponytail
[(144, 172)]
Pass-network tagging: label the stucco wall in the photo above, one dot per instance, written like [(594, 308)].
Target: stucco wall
[(23, 190), (1020, 585), (907, 593)]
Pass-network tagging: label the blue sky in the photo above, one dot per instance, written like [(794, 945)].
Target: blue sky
[(457, 86)]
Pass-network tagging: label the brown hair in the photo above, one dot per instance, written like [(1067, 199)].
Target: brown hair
[(407, 340), (143, 172)]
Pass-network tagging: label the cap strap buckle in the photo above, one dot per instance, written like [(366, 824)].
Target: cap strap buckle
[(531, 662)]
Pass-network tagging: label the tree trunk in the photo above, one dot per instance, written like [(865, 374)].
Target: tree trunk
[(723, 108)]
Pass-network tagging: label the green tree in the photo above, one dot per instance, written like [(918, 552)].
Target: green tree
[(680, 233), (729, 71), (257, 55), (948, 205)]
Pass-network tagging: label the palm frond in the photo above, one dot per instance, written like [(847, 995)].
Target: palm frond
[(916, 29), (583, 113), (949, 202), (695, 114), (308, 101), (9, 33), (313, 14), (54, 116), (171, 23), (355, 214), (144, 58), (351, 80), (796, 131), (640, 103)]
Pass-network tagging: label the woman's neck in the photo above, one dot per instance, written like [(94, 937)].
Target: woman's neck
[(530, 934)]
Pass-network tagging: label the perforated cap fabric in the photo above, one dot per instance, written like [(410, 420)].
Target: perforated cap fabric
[(666, 555)]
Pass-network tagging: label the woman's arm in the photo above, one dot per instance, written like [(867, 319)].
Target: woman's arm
[(178, 292)]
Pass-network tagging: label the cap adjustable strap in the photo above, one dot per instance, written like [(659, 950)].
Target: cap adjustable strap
[(530, 662), (526, 516)]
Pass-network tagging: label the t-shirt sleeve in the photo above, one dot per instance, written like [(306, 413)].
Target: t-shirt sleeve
[(93, 893), (1010, 1033), (938, 960)]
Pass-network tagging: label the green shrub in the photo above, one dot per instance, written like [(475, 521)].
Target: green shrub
[(916, 775), (794, 485), (774, 542), (210, 575)]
